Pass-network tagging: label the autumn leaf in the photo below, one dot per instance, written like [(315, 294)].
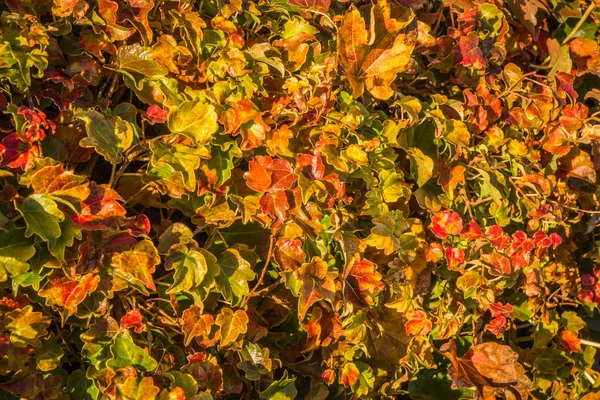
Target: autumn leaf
[(195, 324), (362, 282), (372, 58), (194, 119), (289, 254), (190, 268), (26, 326), (135, 388), (490, 367), (110, 136), (233, 324), (316, 285), (135, 267), (101, 210), (15, 251), (66, 293)]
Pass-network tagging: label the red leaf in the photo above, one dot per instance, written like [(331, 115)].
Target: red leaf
[(156, 114), (417, 323), (570, 341), (446, 223), (18, 154), (101, 210), (472, 56), (66, 294), (311, 166), (454, 258), (133, 319), (500, 265), (362, 282), (275, 205)]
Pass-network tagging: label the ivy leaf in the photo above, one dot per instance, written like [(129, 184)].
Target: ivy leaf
[(572, 322), (15, 251), (221, 162), (125, 353), (235, 274), (101, 209), (275, 205), (254, 361), (49, 355), (316, 285), (232, 325), (135, 59), (190, 268), (421, 166), (195, 324), (110, 136), (289, 254), (97, 341), (42, 216), (48, 177), (137, 388), (549, 360), (362, 282), (266, 174), (135, 267), (194, 119), (488, 366), (283, 389), (388, 232), (69, 232), (372, 58), (67, 294), (26, 326)]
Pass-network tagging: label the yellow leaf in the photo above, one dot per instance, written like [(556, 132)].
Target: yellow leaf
[(372, 59)]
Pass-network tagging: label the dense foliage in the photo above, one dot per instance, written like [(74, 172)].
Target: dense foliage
[(299, 199)]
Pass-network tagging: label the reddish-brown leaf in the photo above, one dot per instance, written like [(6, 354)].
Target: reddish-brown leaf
[(362, 282), (289, 254), (66, 294)]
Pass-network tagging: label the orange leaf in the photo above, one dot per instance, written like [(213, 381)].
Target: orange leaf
[(362, 282)]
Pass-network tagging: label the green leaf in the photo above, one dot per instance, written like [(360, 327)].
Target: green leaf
[(235, 274), (549, 360), (69, 232), (572, 322), (184, 381), (48, 357), (79, 387), (110, 136), (283, 389), (15, 250), (222, 163), (127, 354), (421, 166), (97, 341), (190, 268), (42, 217), (194, 119)]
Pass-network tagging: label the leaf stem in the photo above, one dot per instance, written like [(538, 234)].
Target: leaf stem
[(584, 17), (113, 173), (590, 343), (263, 272)]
